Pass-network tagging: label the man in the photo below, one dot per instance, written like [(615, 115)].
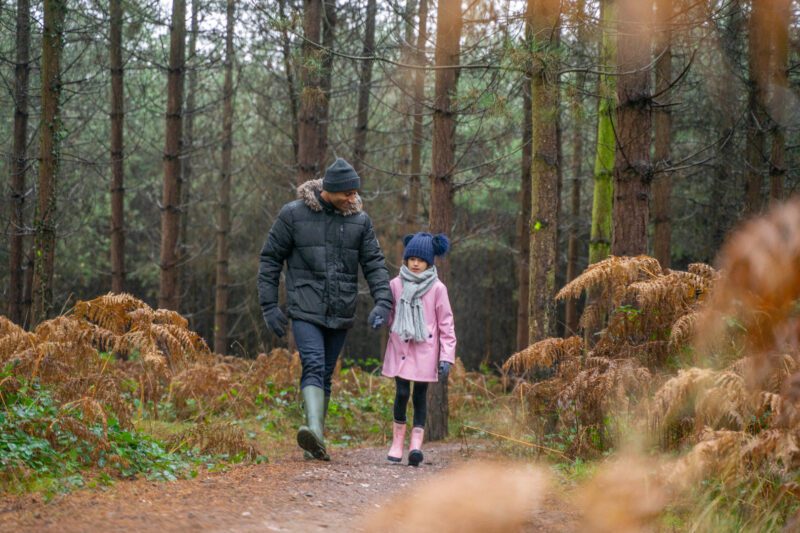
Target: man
[(323, 237)]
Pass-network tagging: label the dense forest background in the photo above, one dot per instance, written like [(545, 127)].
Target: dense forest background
[(298, 83)]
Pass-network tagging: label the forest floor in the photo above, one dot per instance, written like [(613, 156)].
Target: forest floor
[(286, 494)]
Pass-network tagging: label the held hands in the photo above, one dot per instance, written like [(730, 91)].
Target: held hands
[(444, 371), (378, 317), (276, 321)]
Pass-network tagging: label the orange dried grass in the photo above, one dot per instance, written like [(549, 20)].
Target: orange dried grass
[(625, 496), (459, 502)]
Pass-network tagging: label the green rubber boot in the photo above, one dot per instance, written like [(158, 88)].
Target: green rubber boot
[(310, 436), (307, 455)]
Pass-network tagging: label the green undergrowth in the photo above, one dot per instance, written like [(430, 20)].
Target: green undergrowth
[(755, 503), (50, 447)]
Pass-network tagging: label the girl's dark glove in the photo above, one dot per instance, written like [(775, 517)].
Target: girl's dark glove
[(378, 317), (276, 321), (444, 371)]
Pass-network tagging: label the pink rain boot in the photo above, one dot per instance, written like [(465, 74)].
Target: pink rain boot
[(415, 446), (398, 437)]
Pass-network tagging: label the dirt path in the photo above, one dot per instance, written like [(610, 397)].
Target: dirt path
[(288, 495)]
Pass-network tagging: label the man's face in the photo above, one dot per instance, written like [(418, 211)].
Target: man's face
[(343, 201)]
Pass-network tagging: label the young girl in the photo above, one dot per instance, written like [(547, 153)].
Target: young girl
[(422, 343)]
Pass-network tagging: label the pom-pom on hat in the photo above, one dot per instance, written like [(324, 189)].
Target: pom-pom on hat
[(425, 246), (340, 176)]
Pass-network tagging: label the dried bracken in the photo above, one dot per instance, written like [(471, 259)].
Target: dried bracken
[(742, 416), (761, 283), (611, 276), (217, 438), (641, 314), (75, 353), (544, 354)]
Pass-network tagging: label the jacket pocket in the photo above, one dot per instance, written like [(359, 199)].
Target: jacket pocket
[(348, 294), (308, 296)]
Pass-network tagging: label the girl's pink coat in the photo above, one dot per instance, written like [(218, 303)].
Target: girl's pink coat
[(419, 361)]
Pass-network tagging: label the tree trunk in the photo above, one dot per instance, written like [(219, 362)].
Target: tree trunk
[(406, 83), (223, 206), (311, 97), (364, 88), (27, 290), (662, 184), (117, 117), (524, 221), (571, 306), (543, 21), (169, 297), (758, 63), (187, 167), (417, 134), (448, 37), (777, 101), (50, 159), (726, 156), (286, 44), (633, 171), (328, 43), (19, 163), (603, 194)]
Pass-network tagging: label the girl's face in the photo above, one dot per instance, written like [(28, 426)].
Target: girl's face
[(416, 265)]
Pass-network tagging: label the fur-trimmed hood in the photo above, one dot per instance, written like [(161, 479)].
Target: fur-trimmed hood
[(308, 193)]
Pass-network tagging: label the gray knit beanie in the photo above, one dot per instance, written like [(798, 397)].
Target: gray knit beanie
[(340, 176)]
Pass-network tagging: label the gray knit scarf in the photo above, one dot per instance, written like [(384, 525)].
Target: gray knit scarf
[(409, 318)]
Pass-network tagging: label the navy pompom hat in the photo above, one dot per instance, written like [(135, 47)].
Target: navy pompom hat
[(341, 176), (425, 246)]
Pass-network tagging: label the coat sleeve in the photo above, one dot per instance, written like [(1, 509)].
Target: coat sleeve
[(373, 265), (276, 249), (395, 296), (447, 328)]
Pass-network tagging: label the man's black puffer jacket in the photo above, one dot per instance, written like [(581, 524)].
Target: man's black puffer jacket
[(323, 248)]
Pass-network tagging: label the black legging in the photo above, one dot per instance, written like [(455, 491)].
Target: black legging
[(403, 392)]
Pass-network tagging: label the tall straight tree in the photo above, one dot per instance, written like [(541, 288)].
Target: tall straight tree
[(188, 148), (417, 134), (311, 96), (364, 88), (448, 49), (524, 221), (603, 194), (329, 19), (224, 201), (117, 116), (406, 86), (633, 171), (758, 65), (44, 242), (19, 162), (543, 20), (168, 297), (288, 68), (576, 107), (780, 16), (662, 184)]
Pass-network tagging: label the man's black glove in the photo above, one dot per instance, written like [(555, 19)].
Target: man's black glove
[(276, 321), (444, 371), (378, 317)]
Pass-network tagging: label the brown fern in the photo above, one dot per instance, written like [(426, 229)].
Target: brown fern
[(544, 354)]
